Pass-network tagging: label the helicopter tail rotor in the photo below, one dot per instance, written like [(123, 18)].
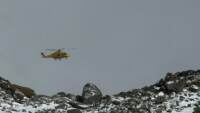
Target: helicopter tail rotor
[(43, 55)]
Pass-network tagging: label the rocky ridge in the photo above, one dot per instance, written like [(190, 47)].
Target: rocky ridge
[(175, 93)]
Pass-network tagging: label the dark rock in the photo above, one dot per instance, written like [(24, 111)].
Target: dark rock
[(170, 76), (77, 105), (18, 96), (60, 100), (181, 98), (61, 106), (169, 110), (196, 109), (40, 99), (116, 102), (91, 94), (160, 100), (106, 99), (79, 98), (193, 88), (5, 85), (74, 111), (60, 94), (71, 96), (122, 94), (114, 111), (197, 83), (175, 86)]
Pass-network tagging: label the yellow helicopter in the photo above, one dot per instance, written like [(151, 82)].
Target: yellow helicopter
[(56, 54)]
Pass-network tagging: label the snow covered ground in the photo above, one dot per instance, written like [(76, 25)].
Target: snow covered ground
[(178, 94)]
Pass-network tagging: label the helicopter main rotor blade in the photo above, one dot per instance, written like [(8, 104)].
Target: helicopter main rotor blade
[(50, 49), (68, 49)]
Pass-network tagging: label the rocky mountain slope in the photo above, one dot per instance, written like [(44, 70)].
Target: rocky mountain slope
[(175, 93)]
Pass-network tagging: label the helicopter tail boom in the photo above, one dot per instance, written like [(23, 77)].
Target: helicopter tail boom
[(43, 55)]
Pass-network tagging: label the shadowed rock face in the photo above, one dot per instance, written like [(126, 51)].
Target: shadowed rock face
[(28, 92), (91, 94), (4, 84)]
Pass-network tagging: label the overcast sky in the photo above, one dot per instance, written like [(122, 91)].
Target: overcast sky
[(120, 44)]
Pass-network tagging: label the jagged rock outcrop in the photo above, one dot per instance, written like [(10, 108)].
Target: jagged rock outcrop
[(28, 92), (16, 91), (177, 81), (5, 85), (91, 94)]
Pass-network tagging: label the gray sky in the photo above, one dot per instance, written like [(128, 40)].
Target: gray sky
[(120, 44)]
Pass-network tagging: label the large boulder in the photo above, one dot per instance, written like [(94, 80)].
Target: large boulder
[(175, 86), (4, 84), (91, 94), (41, 99), (28, 92)]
